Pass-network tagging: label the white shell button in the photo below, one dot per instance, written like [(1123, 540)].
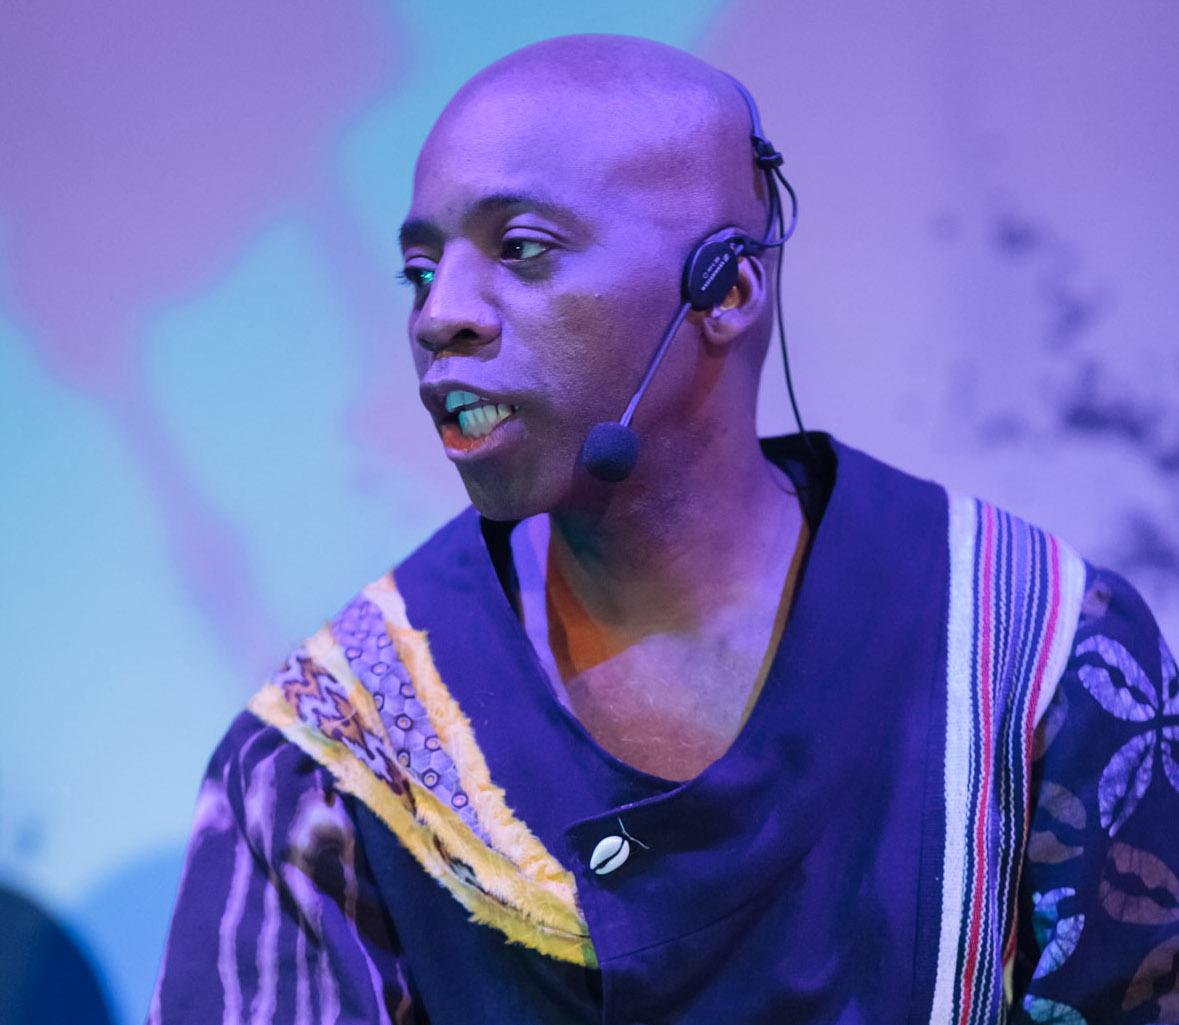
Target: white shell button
[(609, 854)]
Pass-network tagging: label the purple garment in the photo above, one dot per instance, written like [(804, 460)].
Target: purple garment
[(797, 879), (277, 919), (1099, 938)]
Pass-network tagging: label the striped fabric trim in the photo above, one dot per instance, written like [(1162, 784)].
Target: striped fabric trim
[(1015, 597), (510, 882), (506, 833)]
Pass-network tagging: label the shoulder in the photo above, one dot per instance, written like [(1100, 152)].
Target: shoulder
[(1117, 707), (450, 543), (1119, 661), (361, 700), (1101, 877), (269, 765), (1113, 608), (260, 787)]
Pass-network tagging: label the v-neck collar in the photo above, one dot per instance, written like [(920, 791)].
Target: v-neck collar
[(522, 575), (452, 588)]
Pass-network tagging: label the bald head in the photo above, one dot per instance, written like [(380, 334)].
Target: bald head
[(652, 124)]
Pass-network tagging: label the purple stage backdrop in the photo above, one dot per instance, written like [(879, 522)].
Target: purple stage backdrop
[(211, 431)]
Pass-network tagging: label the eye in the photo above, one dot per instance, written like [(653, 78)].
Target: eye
[(522, 248), (419, 277)]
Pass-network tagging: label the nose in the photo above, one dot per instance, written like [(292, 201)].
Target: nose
[(456, 310)]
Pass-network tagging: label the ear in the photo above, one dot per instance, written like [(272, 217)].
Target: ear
[(741, 308)]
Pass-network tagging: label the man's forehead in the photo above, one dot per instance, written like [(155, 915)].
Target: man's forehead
[(509, 129), (466, 181), (567, 146)]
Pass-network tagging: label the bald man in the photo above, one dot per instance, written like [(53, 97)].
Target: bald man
[(766, 731)]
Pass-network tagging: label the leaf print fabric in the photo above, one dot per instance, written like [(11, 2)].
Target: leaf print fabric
[(1138, 887), (1158, 968), (1124, 689), (1119, 685), (1057, 936), (1170, 759), (1052, 1013), (1170, 679), (1064, 816), (1125, 780), (1098, 932)]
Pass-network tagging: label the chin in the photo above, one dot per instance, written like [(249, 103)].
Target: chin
[(524, 486), (502, 498)]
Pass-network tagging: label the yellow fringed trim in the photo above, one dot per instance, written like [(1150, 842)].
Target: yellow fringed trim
[(507, 833), (533, 918), (495, 870)]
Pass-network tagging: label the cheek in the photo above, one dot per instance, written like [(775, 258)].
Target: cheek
[(607, 336), (589, 366), (584, 327)]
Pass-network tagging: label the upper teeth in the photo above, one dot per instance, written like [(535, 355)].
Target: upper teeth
[(477, 416), (454, 399), (474, 423)]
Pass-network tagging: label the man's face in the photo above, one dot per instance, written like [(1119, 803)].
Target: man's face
[(545, 259)]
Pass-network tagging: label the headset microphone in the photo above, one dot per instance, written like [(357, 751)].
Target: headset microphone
[(611, 448)]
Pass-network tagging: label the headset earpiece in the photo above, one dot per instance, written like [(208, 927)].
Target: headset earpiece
[(611, 448), (711, 271)]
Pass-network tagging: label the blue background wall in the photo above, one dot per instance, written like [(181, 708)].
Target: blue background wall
[(209, 426)]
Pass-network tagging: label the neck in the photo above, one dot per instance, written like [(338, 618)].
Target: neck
[(686, 555)]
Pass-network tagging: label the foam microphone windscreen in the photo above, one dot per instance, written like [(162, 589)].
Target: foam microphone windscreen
[(610, 451)]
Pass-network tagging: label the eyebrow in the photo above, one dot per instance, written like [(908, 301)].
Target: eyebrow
[(421, 230)]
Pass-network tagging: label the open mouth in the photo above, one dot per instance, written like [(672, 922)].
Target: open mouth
[(468, 429)]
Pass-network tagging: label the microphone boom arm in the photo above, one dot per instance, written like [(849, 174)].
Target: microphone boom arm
[(664, 344)]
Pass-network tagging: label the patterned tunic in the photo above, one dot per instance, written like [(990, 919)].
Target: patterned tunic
[(957, 800)]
